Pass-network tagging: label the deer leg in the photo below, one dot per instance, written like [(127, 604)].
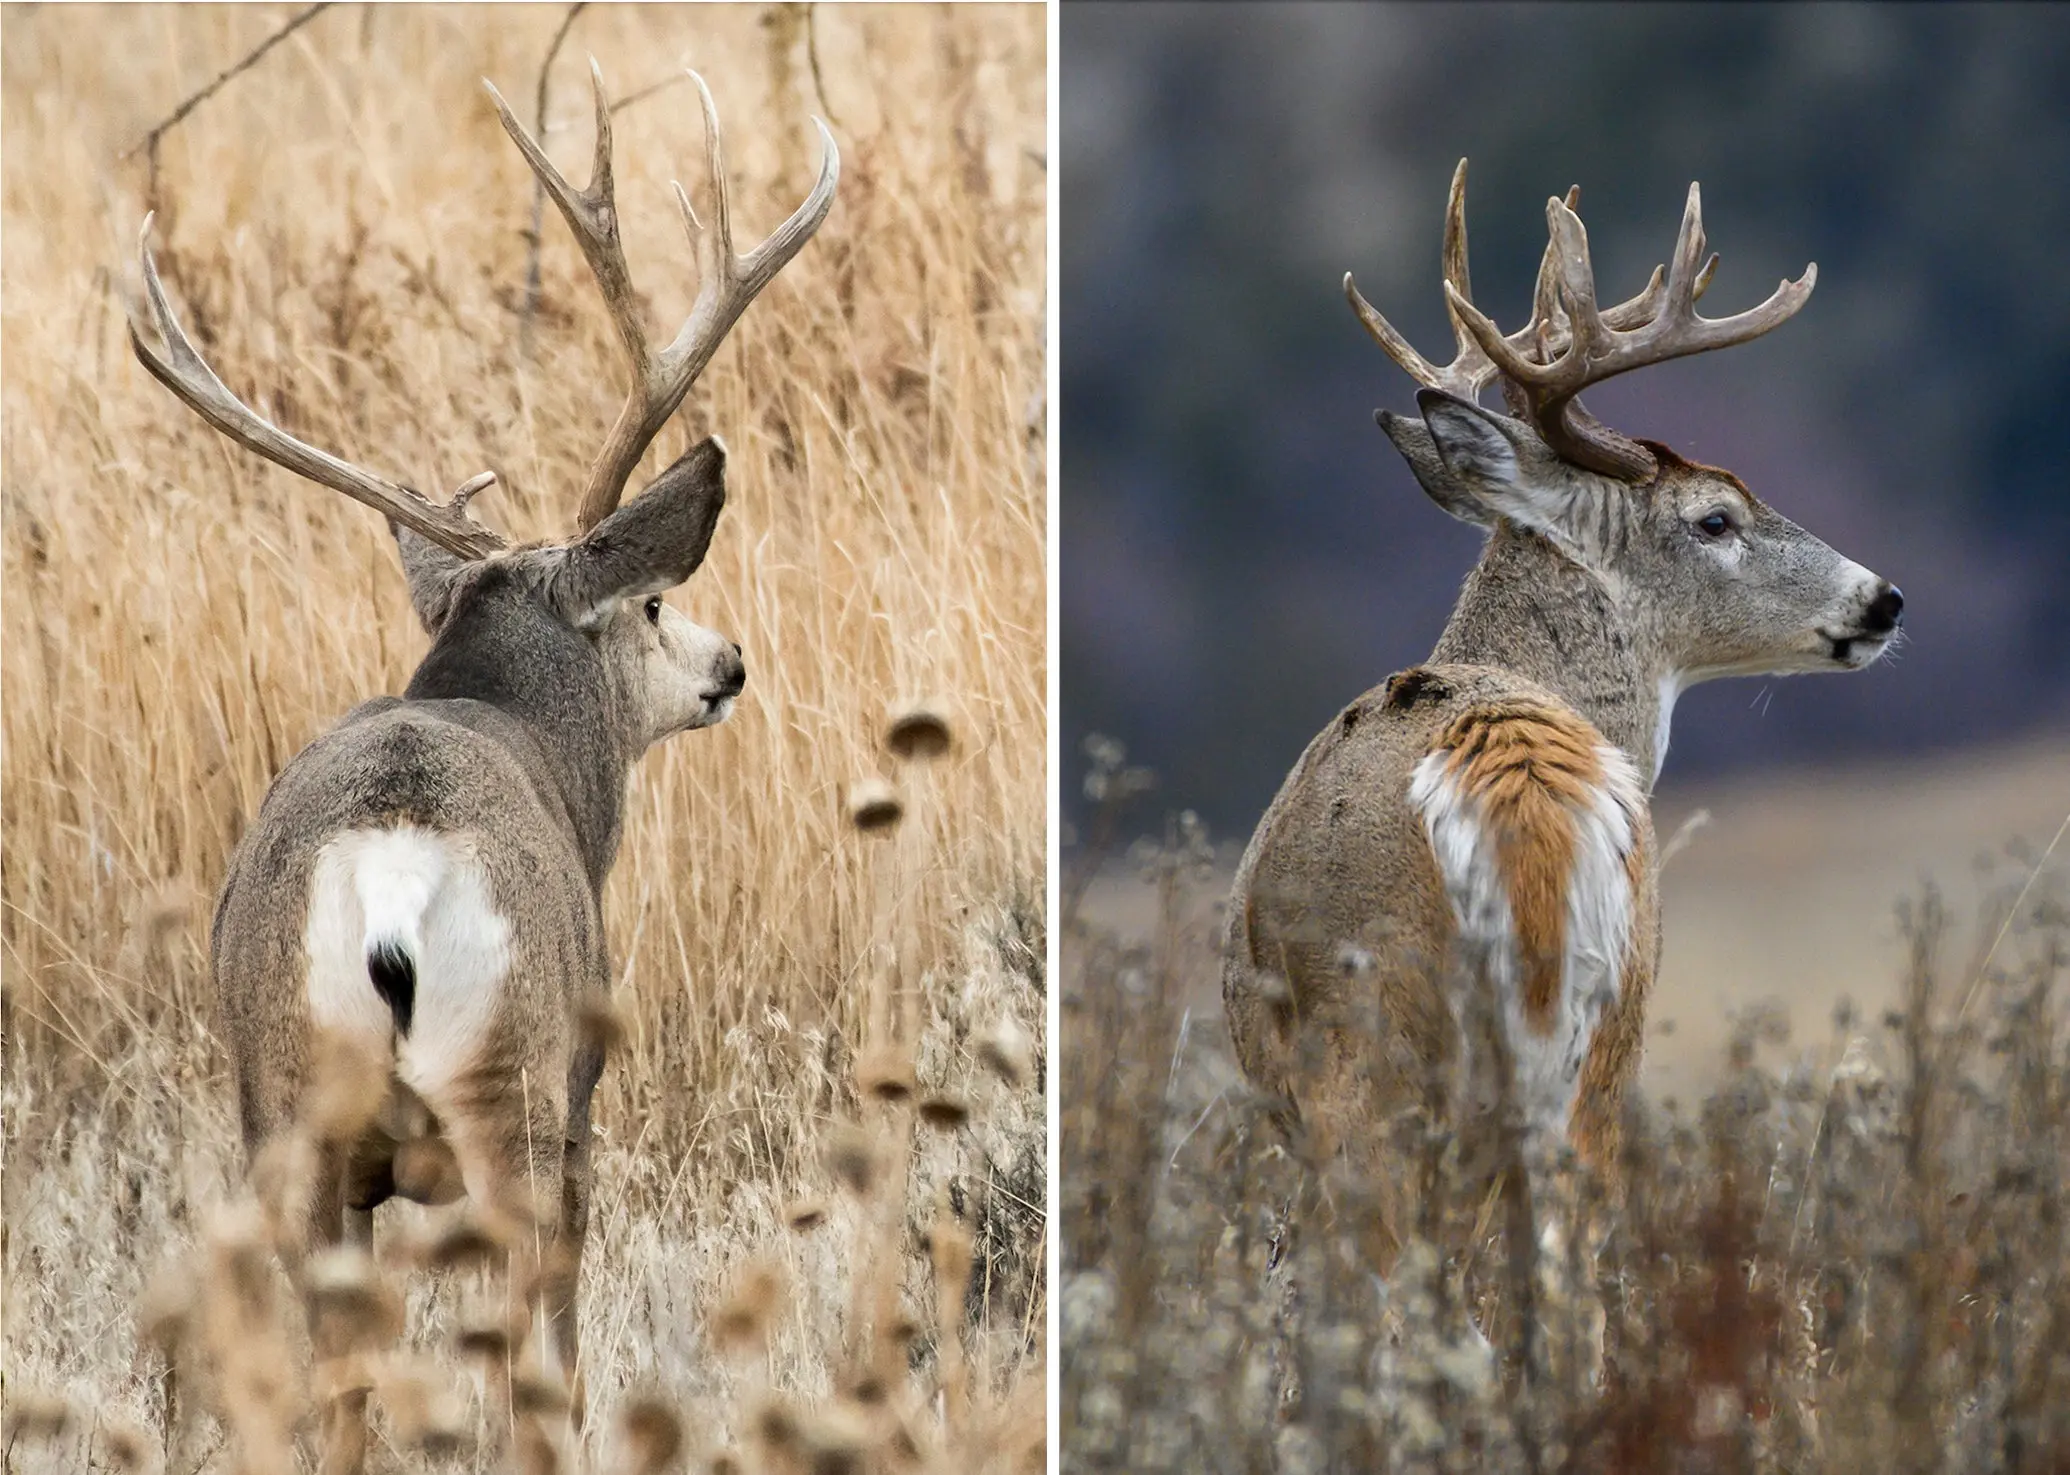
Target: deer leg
[(507, 1125), (563, 1311), (344, 1419)]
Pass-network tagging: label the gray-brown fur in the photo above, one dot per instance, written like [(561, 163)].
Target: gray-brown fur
[(1598, 596), (549, 673)]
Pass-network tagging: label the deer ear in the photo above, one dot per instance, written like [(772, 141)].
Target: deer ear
[(1412, 438), (652, 543), (434, 575), (1494, 462)]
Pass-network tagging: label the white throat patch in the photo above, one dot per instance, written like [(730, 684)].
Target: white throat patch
[(1670, 688)]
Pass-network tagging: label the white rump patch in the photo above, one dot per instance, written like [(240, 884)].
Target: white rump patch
[(424, 893), (1596, 932)]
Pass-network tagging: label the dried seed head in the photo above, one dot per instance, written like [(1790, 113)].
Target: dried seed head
[(348, 1082), (283, 1178), (944, 1113), (775, 1423), (852, 1158), (334, 1377), (885, 1072), (1007, 1053), (463, 1242), (808, 1213), (539, 1392), (166, 1312), (918, 733), (37, 1415), (238, 1256), (490, 1338), (873, 806), (347, 1293), (651, 1435), (869, 1390), (600, 1025), (427, 1172), (742, 1321), (129, 1450), (835, 1437), (424, 1410)]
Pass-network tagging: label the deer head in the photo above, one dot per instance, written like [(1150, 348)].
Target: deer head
[(535, 626), (1711, 580)]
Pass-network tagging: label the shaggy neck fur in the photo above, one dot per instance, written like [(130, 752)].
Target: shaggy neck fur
[(1529, 608), (503, 649)]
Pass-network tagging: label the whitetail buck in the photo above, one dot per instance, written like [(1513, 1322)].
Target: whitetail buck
[(1482, 820), (426, 878)]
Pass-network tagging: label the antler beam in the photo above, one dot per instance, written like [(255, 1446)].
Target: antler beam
[(182, 370), (1570, 343), (728, 283), (1599, 348)]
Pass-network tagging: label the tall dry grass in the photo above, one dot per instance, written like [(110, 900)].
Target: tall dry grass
[(343, 229), (1850, 1256)]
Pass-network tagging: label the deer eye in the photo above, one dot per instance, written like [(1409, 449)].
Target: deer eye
[(1714, 524), (654, 610)]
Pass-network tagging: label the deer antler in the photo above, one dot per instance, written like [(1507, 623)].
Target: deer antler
[(1600, 349), (182, 370), (1570, 343), (728, 283)]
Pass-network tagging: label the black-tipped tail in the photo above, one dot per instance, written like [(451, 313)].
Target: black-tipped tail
[(395, 980)]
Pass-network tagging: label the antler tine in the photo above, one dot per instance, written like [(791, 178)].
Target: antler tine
[(1470, 371), (728, 283), (1661, 323), (181, 369), (1456, 270)]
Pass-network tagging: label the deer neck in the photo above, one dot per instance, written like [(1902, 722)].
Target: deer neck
[(1529, 608), (555, 707)]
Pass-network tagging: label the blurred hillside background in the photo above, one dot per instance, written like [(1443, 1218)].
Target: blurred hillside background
[(1242, 550)]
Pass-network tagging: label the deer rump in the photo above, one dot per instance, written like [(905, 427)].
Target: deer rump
[(1452, 821), (436, 929)]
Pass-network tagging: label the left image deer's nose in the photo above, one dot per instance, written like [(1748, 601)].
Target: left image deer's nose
[(1886, 611), (734, 676)]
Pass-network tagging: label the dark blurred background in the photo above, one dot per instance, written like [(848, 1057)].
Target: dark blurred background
[(1242, 550)]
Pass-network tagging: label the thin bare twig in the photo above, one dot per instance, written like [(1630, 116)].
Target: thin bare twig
[(148, 144), (539, 189), (648, 91), (819, 84)]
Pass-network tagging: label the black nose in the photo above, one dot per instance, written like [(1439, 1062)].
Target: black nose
[(731, 681), (1885, 612)]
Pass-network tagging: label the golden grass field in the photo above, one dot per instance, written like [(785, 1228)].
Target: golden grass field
[(342, 229)]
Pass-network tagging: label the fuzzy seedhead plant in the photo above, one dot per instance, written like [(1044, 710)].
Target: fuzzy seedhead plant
[(267, 1339)]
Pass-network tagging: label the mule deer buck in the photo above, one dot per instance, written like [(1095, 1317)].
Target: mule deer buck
[(1481, 822), (426, 878)]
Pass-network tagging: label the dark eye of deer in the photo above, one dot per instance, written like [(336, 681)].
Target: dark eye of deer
[(1715, 524), (654, 610)]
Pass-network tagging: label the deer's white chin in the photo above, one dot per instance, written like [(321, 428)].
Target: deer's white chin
[(1852, 652)]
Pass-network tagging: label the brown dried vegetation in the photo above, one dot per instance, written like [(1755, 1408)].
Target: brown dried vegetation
[(1845, 1258), (179, 619)]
